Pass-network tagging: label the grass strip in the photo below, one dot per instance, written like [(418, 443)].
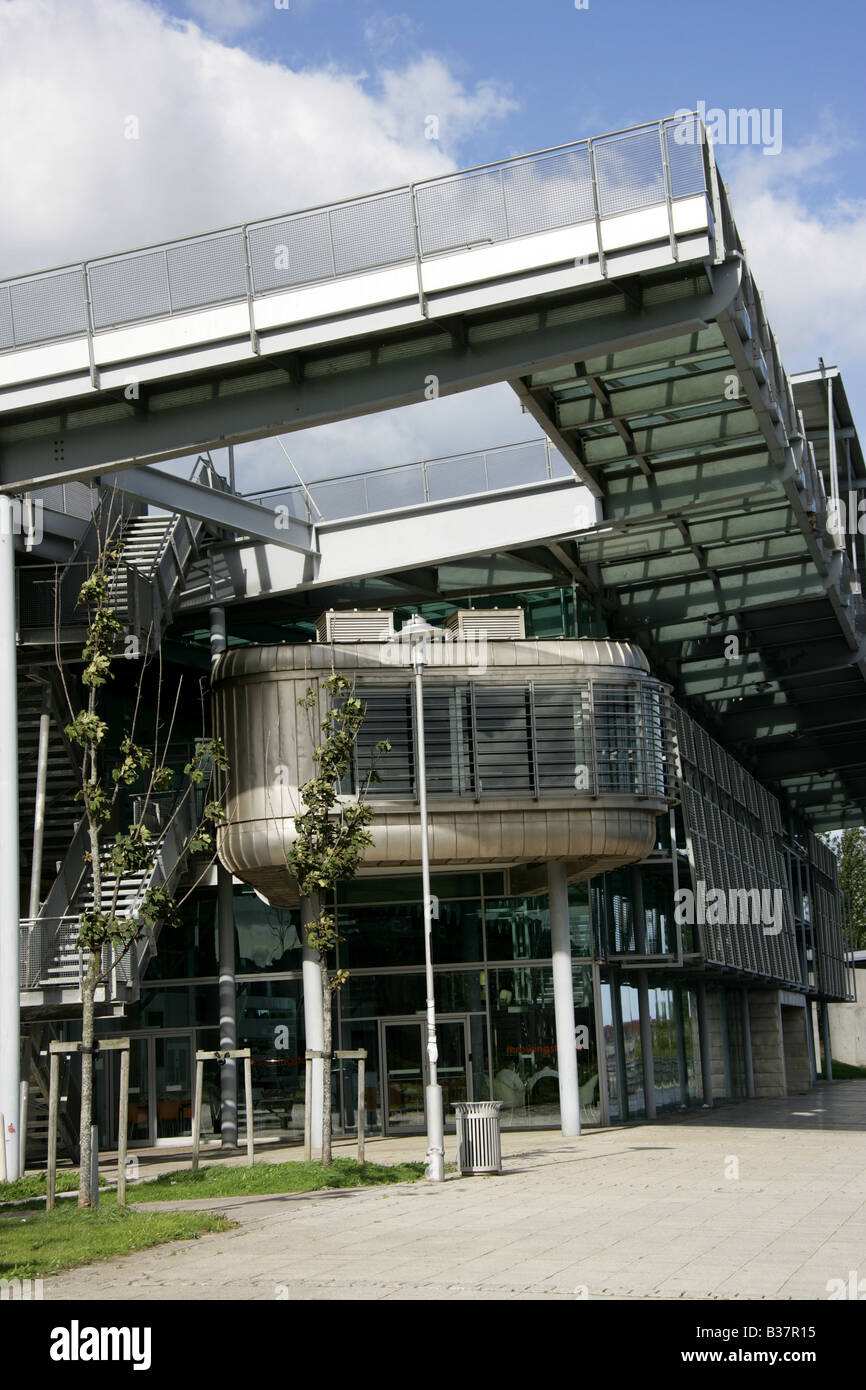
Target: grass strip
[(39, 1243)]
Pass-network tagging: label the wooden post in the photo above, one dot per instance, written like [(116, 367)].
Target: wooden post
[(248, 1097), (122, 1126), (308, 1114), (196, 1114), (362, 1105), (53, 1103)]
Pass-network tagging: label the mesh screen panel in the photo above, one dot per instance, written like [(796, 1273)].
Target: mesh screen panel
[(379, 231), (207, 272), (461, 211), (6, 339), (53, 307), (126, 290), (630, 172), (291, 252), (685, 158), (551, 192)]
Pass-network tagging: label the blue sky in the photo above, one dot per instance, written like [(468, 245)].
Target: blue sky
[(247, 109)]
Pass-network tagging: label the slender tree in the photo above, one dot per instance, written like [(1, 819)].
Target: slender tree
[(331, 836), (128, 849), (850, 849)]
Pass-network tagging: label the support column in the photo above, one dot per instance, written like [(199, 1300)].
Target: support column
[(228, 1005), (646, 1046), (10, 1058), (314, 1021), (747, 1045), (563, 999), (39, 812), (706, 1056), (827, 1041), (228, 998)]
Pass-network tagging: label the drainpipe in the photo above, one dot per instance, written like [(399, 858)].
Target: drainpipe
[(228, 996), (39, 812), (10, 1058), (563, 999)]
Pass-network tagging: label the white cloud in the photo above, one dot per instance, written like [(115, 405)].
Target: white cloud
[(805, 245), (223, 136), (228, 16)]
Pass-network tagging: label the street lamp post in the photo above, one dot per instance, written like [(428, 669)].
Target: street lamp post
[(418, 634)]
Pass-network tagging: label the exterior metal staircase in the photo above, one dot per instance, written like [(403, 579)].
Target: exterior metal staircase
[(37, 696), (52, 964), (149, 577)]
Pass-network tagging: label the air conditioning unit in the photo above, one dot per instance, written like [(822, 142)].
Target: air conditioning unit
[(496, 624), (355, 625)]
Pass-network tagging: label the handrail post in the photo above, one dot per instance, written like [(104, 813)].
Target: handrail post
[(88, 319), (416, 230), (248, 276), (596, 207), (666, 174)]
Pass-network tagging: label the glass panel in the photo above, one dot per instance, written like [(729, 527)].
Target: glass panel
[(587, 1049), (666, 1061), (266, 938), (173, 1077), (611, 1042), (578, 916), (451, 1067), (404, 1077), (366, 1035), (633, 1054), (524, 1047), (517, 928), (692, 1045), (139, 1095)]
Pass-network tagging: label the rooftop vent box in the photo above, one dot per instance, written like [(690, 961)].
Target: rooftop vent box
[(356, 625), (495, 624)]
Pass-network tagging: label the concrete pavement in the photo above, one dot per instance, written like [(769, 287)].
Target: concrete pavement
[(759, 1200)]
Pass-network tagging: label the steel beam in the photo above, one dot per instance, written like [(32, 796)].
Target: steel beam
[(204, 414), (224, 509)]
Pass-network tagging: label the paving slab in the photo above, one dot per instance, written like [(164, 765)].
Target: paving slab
[(636, 1212)]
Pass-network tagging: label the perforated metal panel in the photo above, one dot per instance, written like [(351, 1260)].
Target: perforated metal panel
[(134, 288), (462, 211), (207, 272), (291, 252), (377, 231), (53, 307), (544, 193), (630, 171)]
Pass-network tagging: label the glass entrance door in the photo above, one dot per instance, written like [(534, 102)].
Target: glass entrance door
[(405, 1072), (160, 1089)]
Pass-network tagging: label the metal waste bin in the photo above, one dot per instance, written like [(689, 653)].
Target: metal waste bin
[(479, 1149)]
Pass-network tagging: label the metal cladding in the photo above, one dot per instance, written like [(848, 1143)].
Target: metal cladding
[(536, 750)]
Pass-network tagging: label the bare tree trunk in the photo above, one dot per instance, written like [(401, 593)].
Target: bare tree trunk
[(85, 1196), (326, 1060)]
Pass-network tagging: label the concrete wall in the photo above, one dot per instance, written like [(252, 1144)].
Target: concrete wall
[(768, 1052), (848, 1026), (717, 1052), (798, 1072)]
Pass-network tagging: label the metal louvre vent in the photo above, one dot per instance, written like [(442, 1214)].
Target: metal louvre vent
[(732, 824), (496, 624), (488, 741), (358, 625)]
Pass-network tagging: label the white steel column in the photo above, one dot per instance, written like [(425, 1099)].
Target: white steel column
[(39, 811), (10, 1063), (314, 1020), (563, 999), (228, 1005)]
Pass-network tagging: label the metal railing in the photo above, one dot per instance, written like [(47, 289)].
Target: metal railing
[(584, 181), (412, 484)]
